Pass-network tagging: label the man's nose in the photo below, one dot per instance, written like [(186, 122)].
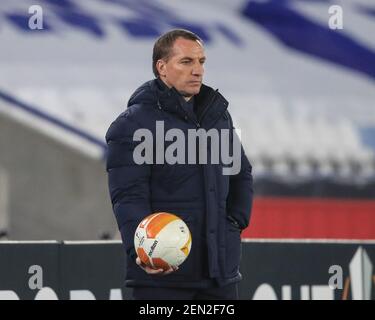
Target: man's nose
[(198, 69)]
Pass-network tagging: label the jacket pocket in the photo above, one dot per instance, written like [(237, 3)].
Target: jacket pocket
[(232, 249)]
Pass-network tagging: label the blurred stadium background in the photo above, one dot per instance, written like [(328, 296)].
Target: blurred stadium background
[(302, 94)]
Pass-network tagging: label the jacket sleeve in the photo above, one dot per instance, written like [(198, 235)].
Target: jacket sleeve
[(240, 196), (128, 182)]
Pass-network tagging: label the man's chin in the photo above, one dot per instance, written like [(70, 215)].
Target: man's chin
[(195, 90), (190, 93)]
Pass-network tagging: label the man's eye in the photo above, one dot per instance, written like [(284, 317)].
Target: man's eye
[(186, 62)]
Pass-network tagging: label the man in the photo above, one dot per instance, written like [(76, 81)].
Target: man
[(215, 206)]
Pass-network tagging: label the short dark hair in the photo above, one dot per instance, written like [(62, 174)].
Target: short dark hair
[(164, 44)]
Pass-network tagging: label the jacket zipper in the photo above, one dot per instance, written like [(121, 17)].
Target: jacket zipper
[(211, 101), (197, 124)]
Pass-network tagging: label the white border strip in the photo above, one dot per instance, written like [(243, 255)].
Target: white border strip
[(369, 241), (29, 242), (70, 242), (247, 240)]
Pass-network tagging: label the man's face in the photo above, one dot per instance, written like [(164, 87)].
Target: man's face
[(184, 68)]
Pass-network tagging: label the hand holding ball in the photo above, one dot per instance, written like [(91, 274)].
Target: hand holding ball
[(162, 241)]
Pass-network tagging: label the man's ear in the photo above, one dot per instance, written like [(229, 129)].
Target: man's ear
[(160, 66)]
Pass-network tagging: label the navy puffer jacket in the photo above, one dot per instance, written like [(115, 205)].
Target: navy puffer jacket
[(214, 206)]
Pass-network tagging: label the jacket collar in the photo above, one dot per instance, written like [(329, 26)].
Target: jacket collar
[(212, 102), (156, 94)]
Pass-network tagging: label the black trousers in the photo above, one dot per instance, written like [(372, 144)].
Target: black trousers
[(229, 292)]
